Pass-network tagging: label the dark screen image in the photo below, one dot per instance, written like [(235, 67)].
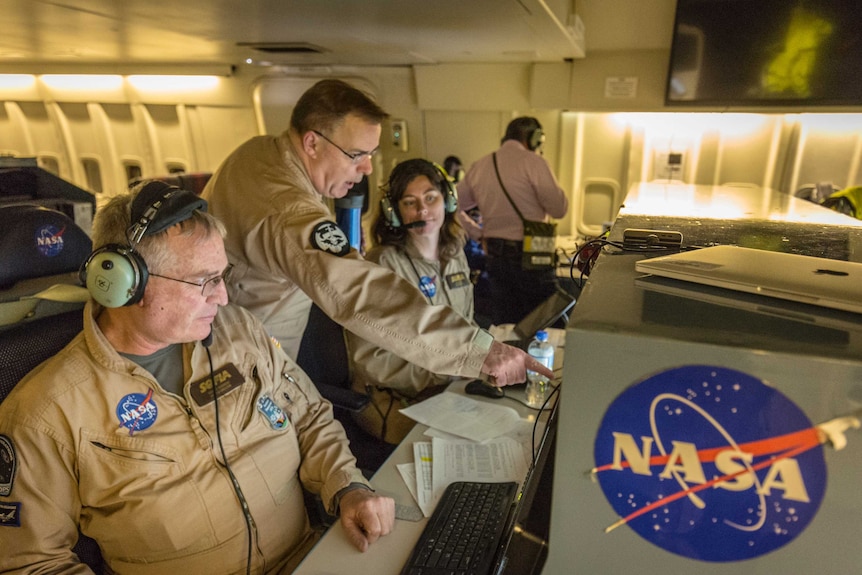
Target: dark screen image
[(766, 52)]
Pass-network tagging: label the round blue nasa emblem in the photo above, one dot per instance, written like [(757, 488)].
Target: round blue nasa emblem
[(137, 411), (49, 240), (710, 463), (428, 286)]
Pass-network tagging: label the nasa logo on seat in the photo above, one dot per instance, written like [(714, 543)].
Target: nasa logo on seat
[(710, 463), (49, 240)]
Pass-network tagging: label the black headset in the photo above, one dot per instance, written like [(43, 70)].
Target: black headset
[(389, 209), (116, 275)]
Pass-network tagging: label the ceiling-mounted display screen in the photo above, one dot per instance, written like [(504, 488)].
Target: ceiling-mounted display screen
[(766, 53)]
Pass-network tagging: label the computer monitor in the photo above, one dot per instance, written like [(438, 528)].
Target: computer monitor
[(523, 548), (545, 315)]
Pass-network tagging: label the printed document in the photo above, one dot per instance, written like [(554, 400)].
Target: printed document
[(463, 416)]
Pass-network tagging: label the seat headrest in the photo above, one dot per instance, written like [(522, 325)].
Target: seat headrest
[(37, 241)]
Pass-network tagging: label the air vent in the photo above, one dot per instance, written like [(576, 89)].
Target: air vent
[(283, 47)]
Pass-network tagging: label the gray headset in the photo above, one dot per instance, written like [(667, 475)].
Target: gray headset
[(116, 275)]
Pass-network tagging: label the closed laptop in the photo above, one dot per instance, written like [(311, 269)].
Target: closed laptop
[(819, 281)]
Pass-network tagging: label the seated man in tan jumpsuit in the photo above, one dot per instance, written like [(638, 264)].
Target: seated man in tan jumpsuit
[(173, 430), (287, 250)]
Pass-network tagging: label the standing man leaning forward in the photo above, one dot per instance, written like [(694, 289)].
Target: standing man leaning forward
[(533, 188), (123, 436), (287, 250)]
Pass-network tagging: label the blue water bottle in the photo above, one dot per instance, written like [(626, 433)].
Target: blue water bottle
[(542, 351)]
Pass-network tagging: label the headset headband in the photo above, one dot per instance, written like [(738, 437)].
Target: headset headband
[(159, 206)]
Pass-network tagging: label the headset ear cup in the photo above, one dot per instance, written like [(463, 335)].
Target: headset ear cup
[(389, 212), (115, 276), (537, 137), (449, 191), (451, 197)]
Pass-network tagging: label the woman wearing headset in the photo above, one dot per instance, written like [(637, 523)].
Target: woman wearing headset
[(416, 234)]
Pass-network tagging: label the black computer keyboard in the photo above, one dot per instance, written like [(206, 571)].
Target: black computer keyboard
[(463, 534)]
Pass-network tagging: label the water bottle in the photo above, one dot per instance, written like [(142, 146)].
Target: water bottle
[(537, 384)]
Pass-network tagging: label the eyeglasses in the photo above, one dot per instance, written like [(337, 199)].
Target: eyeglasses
[(355, 157), (208, 287)]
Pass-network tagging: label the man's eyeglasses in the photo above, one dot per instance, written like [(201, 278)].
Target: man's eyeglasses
[(355, 157), (208, 287)]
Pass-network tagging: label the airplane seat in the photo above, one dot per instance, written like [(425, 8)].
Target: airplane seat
[(41, 251), (323, 356), (22, 348)]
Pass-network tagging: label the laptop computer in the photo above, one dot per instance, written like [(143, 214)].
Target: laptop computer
[(823, 282), (740, 309)]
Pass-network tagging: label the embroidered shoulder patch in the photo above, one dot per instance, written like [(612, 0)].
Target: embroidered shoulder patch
[(8, 464), (137, 411), (328, 237), (10, 514), (274, 414)]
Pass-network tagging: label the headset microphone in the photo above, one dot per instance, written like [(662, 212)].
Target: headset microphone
[(416, 224)]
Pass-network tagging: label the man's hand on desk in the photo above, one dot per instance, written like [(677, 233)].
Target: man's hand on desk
[(366, 516), (507, 365)]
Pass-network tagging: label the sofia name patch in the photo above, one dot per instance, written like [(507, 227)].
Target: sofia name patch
[(226, 378)]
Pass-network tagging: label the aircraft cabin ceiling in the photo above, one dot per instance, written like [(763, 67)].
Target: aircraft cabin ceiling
[(325, 32)]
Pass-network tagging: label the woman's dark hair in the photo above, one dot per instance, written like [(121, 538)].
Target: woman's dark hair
[(451, 233)]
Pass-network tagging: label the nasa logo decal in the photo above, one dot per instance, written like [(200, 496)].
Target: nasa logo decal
[(137, 411), (328, 237), (428, 286), (710, 463), (49, 240)]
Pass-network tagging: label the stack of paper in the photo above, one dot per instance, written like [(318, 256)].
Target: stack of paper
[(481, 442)]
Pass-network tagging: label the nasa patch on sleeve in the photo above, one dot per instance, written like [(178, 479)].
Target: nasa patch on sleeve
[(8, 463), (709, 463), (328, 237)]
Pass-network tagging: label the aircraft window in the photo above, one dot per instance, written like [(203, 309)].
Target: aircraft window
[(176, 168), (49, 164), (93, 172), (133, 171)]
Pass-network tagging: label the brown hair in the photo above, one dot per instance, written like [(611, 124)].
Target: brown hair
[(324, 106)]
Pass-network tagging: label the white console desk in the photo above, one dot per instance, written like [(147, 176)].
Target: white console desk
[(334, 554)]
